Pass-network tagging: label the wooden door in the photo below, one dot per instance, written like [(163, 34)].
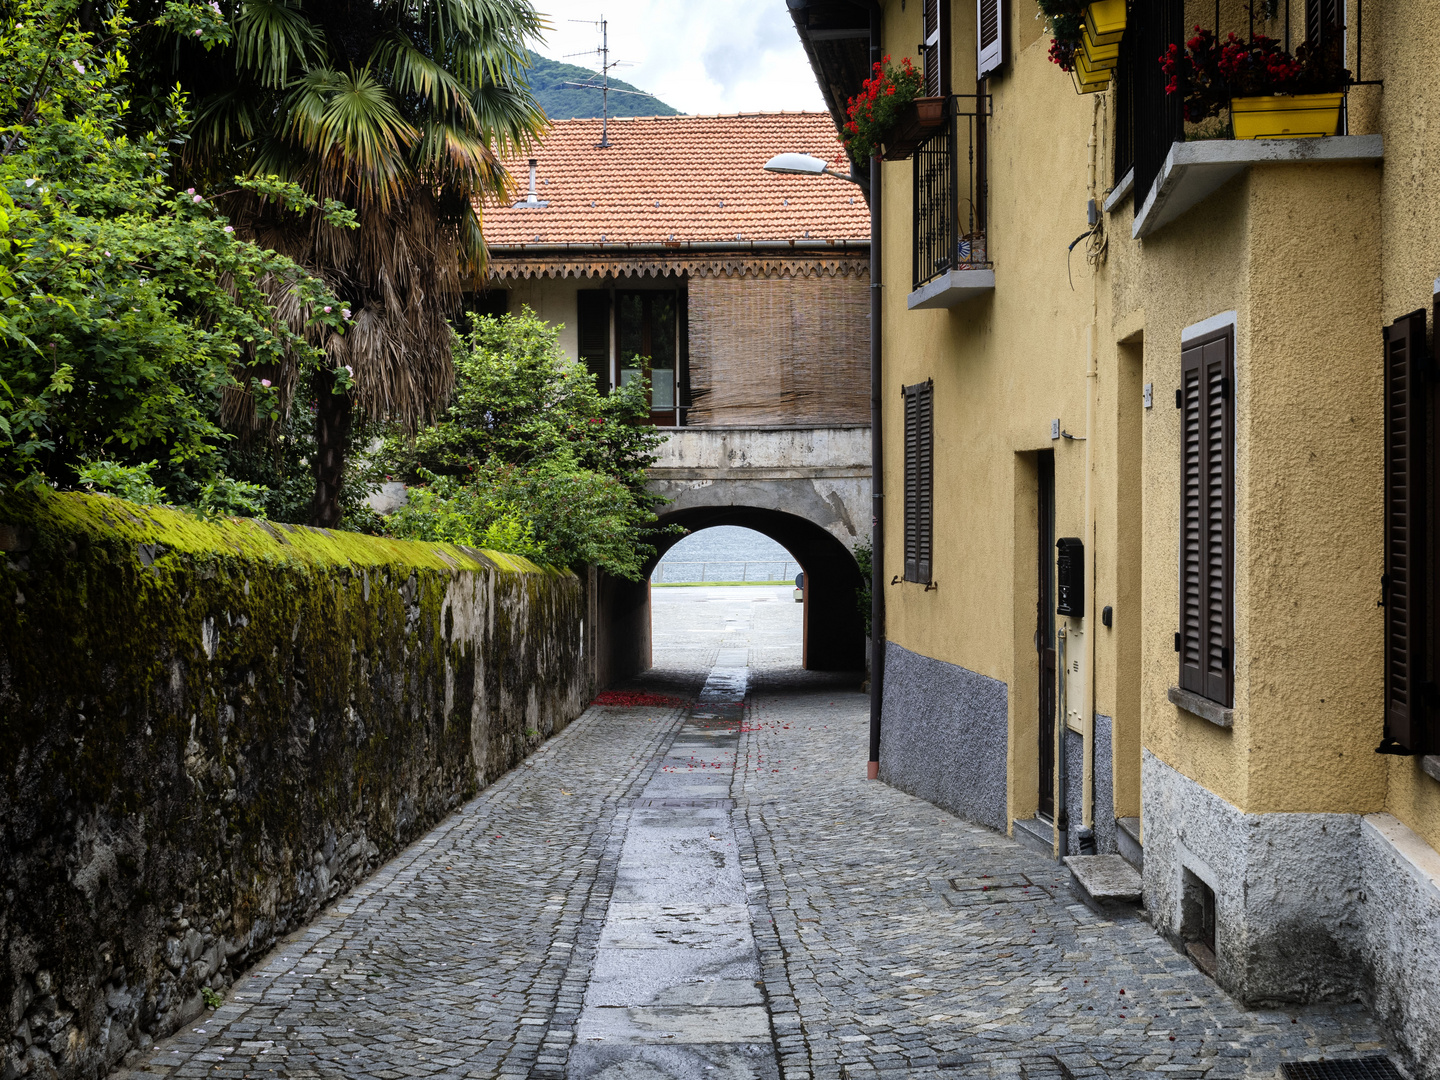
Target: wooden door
[(1045, 624)]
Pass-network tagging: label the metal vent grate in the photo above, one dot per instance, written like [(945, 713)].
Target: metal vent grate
[(1377, 1067)]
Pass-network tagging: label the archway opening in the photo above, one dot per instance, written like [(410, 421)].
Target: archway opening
[(730, 581), (834, 630)]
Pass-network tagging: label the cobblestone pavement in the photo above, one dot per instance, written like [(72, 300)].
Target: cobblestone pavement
[(884, 937)]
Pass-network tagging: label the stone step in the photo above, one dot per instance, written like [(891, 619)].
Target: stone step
[(1127, 839), (1036, 834), (1106, 879)]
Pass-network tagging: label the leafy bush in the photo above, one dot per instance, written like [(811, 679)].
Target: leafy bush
[(127, 308), (530, 457)]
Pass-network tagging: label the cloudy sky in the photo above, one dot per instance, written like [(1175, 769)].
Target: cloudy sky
[(737, 56)]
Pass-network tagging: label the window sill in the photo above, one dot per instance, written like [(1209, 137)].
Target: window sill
[(1431, 764), (951, 288), (1204, 708), (1193, 171)]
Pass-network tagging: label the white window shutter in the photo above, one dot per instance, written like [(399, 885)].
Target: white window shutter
[(990, 32)]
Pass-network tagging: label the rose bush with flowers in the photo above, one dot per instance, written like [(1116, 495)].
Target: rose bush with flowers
[(873, 113), (1209, 72)]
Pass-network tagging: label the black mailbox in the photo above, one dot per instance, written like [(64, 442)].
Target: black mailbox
[(1070, 576)]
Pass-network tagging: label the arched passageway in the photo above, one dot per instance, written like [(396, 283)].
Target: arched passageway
[(834, 630)]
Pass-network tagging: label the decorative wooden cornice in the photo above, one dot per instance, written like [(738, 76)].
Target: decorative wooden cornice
[(503, 267)]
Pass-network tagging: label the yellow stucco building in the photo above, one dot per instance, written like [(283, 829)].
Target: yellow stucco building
[(1157, 518)]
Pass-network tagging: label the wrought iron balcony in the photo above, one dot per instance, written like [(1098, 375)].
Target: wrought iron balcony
[(951, 260)]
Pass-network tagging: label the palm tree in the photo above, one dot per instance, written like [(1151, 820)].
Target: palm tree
[(401, 110)]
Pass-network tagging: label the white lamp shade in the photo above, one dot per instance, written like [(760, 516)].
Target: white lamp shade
[(796, 165)]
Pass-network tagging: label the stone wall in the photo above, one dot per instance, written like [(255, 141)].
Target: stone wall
[(212, 730)]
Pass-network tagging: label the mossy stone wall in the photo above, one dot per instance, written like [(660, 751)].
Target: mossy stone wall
[(209, 730)]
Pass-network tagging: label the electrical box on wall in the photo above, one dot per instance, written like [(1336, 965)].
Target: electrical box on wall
[(1070, 576)]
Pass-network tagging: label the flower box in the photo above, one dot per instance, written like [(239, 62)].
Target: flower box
[(1089, 80), (921, 119), (1286, 116), (1105, 21)]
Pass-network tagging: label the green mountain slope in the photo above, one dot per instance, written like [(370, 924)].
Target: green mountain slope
[(560, 102)]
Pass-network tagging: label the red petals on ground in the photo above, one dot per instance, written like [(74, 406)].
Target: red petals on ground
[(634, 699)]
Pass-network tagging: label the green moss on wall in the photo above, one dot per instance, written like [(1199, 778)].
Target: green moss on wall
[(218, 726)]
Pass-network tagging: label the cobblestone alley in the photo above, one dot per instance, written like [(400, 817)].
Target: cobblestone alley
[(716, 891)]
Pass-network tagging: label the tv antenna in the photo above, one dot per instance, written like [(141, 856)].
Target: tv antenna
[(604, 84)]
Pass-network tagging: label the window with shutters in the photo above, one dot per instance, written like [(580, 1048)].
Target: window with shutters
[(592, 332), (935, 49), (1407, 538), (919, 479), (1207, 523), (989, 36)]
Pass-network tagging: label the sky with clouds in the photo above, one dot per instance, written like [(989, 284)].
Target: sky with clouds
[(734, 56)]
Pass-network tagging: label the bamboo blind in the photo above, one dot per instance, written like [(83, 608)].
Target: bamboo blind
[(779, 350)]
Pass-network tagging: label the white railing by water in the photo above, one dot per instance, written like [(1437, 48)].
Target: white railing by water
[(672, 572)]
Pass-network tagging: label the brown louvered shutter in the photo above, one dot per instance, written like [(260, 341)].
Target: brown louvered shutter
[(988, 39), (919, 480), (1406, 548), (1207, 528), (592, 333), (933, 52)]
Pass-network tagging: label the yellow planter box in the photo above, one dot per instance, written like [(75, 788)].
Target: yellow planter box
[(1099, 55), (1105, 21), (1286, 116), (1088, 79)]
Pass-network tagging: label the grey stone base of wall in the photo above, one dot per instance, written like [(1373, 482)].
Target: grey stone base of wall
[(945, 735), (1308, 907), (1104, 823)]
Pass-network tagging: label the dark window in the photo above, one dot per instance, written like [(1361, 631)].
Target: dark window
[(1324, 21), (919, 479), (1207, 520), (935, 49), (989, 38), (1123, 86), (1407, 549), (592, 331), (645, 340), (1158, 119)]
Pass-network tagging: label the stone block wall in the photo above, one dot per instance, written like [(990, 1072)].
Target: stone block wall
[(212, 730)]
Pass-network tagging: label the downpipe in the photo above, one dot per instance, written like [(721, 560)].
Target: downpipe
[(877, 456), (877, 487), (1062, 768)]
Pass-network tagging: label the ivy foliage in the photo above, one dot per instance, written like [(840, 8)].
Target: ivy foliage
[(530, 458), (128, 309)]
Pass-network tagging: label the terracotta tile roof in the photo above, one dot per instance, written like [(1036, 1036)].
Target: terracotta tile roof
[(681, 179)]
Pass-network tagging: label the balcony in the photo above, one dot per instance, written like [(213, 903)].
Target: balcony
[(951, 263), (1172, 165)]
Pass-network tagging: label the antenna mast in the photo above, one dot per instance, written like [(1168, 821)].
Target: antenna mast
[(604, 87)]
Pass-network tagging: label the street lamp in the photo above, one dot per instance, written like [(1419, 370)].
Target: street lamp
[(804, 165)]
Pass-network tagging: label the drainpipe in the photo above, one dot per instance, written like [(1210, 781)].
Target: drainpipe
[(877, 457), (1062, 764)]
